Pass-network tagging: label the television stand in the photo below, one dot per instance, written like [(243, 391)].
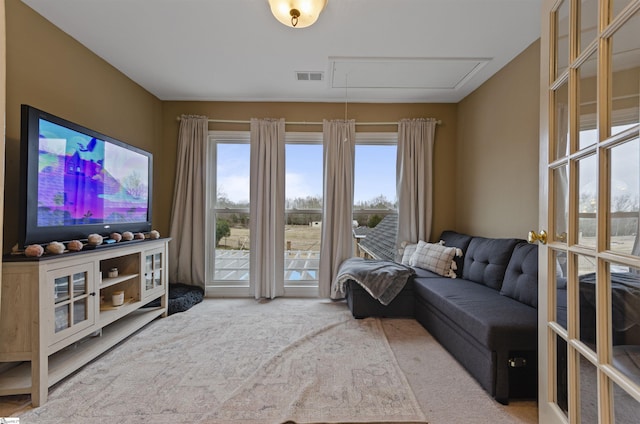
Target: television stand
[(57, 312)]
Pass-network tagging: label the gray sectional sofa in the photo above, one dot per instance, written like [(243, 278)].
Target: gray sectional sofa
[(486, 317)]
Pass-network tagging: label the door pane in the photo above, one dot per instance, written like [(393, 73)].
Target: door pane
[(562, 37), (624, 188), (588, 392), (560, 279), (303, 225), (625, 315), (588, 22), (588, 87), (562, 376), (588, 284), (626, 409), (625, 79), (561, 203), (232, 214), (561, 105), (618, 5), (587, 201)]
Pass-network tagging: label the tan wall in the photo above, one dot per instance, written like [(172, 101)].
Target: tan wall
[(497, 167), (49, 70), (486, 148), (445, 150)]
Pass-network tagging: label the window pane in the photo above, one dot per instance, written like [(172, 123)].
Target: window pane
[(303, 193), (374, 183), (626, 76), (624, 187), (231, 263)]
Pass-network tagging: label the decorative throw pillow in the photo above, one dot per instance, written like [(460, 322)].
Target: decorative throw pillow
[(409, 250), (435, 258)]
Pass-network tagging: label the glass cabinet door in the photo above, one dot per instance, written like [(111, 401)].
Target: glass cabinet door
[(153, 272), (72, 300)]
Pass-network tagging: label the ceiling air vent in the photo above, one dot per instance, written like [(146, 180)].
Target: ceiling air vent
[(309, 76)]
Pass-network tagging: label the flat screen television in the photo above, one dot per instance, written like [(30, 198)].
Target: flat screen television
[(75, 182)]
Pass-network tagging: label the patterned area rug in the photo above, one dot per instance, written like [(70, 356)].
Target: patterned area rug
[(210, 365)]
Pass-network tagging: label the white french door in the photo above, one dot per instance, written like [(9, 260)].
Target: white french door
[(589, 314)]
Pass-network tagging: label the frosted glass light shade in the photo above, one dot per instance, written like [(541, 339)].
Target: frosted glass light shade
[(297, 13)]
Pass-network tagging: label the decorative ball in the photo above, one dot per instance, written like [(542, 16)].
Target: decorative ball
[(34, 250), (127, 235), (115, 236), (75, 245), (154, 234), (138, 236), (55, 248), (94, 239)]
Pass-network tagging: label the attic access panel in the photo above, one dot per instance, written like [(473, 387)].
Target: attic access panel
[(410, 73)]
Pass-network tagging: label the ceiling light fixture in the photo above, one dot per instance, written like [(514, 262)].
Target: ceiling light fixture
[(297, 13)]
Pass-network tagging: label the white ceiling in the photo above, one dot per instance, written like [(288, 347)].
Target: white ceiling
[(368, 50)]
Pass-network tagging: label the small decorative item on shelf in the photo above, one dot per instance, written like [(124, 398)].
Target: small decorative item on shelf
[(117, 299), (55, 248), (153, 235), (115, 236), (127, 236), (138, 236), (34, 250), (113, 272), (75, 245), (94, 239)]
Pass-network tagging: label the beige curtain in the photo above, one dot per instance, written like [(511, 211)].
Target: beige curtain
[(414, 177), (339, 139), (267, 207), (187, 229)]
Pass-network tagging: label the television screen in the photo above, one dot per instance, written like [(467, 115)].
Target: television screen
[(77, 181)]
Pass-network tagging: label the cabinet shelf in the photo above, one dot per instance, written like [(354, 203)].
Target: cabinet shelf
[(110, 281)]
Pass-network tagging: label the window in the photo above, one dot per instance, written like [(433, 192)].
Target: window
[(374, 193)]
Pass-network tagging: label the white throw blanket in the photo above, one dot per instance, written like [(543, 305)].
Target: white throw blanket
[(382, 279)]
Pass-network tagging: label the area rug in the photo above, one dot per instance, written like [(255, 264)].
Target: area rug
[(306, 363)]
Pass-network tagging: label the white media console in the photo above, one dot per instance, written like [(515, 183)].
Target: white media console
[(57, 312)]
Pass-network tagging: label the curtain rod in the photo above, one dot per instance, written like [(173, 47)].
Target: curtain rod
[(232, 121)]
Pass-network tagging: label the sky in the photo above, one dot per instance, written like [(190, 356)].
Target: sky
[(374, 171)]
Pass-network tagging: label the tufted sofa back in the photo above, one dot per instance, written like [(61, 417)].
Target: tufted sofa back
[(486, 260)]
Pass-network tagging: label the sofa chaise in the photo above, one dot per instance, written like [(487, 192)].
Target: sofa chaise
[(486, 317)]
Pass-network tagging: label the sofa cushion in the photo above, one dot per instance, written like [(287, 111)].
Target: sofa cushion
[(486, 259), (521, 277), (493, 320), (461, 241), (434, 257)]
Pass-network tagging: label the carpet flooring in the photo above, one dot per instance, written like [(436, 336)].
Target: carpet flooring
[(242, 361)]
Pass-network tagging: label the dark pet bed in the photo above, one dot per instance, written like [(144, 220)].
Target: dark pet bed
[(181, 298)]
